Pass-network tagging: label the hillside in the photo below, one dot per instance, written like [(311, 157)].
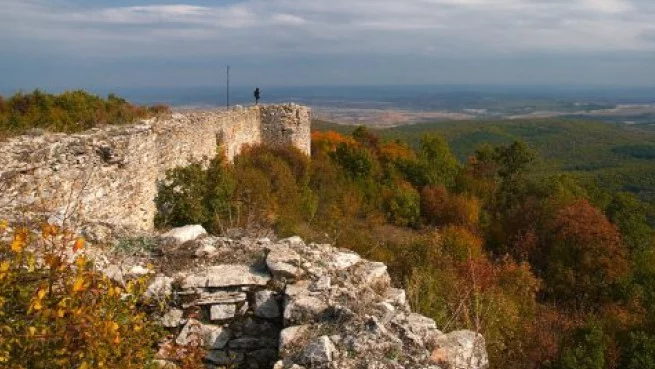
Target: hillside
[(616, 157), (553, 272)]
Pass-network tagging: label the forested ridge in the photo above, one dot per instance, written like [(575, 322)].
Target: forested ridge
[(555, 272), (613, 157)]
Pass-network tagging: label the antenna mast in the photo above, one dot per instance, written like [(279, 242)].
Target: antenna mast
[(228, 87)]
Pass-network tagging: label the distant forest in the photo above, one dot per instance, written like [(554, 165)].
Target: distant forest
[(611, 157)]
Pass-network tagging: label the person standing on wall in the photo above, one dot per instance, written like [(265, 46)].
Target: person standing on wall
[(257, 96)]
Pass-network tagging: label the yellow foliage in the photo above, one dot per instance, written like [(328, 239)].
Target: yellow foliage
[(61, 314)]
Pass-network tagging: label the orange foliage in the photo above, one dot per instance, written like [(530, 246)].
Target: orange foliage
[(442, 208), (329, 141), (393, 151), (461, 244), (586, 254)]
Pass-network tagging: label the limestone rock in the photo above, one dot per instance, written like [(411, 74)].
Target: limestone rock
[(294, 241), (172, 318), (293, 336), (185, 234), (373, 274), (283, 262), (460, 350), (421, 325), (212, 337), (395, 296), (344, 260), (322, 284), (319, 351), (227, 275), (222, 312), (266, 306), (138, 271), (305, 309), (220, 297), (206, 251), (161, 287)]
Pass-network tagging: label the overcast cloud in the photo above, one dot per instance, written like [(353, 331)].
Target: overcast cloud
[(68, 43)]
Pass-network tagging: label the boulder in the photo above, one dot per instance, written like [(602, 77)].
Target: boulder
[(319, 351), (304, 309), (185, 234), (460, 350), (266, 306), (212, 337), (293, 336), (283, 262)]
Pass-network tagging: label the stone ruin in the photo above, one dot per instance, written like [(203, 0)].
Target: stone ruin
[(108, 176), (250, 302), (257, 303)]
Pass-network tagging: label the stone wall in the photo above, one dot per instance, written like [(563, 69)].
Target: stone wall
[(256, 303), (109, 175)]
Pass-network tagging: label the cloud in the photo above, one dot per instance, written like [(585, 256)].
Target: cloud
[(455, 26), (167, 31)]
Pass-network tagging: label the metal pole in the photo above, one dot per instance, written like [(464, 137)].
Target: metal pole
[(228, 86)]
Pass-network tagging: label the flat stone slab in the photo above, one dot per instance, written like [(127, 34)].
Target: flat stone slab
[(221, 297), (227, 275)]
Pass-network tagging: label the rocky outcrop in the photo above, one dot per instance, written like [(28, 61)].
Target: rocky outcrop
[(254, 303)]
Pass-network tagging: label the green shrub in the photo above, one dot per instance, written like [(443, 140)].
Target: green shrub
[(71, 111)]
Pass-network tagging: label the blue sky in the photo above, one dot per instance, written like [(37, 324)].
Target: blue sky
[(59, 44)]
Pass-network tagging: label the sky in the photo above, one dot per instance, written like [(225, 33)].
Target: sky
[(58, 44)]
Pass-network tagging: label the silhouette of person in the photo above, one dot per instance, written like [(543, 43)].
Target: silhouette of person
[(257, 96)]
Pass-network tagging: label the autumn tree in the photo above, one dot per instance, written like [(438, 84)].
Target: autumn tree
[(586, 257)]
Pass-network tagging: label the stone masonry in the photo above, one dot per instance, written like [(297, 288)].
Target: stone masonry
[(109, 175), (260, 303)]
